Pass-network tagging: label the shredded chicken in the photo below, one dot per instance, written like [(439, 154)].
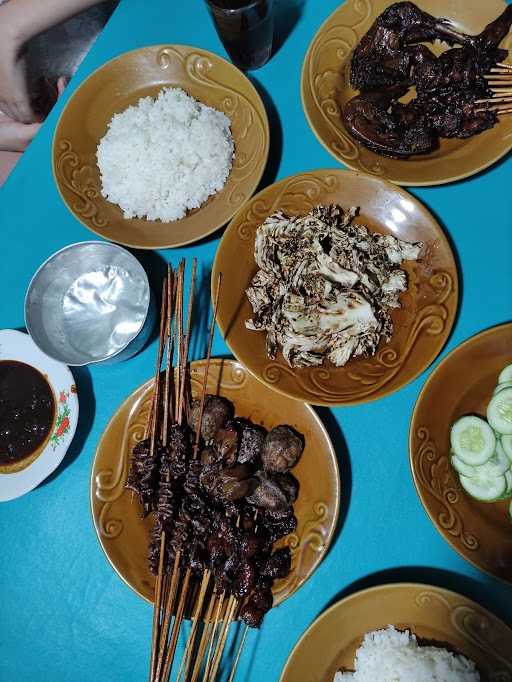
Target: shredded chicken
[(325, 286)]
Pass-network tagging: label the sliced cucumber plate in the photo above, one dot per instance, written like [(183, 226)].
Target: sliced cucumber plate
[(499, 412), (472, 440)]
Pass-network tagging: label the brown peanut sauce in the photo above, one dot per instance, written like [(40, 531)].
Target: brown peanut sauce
[(27, 410)]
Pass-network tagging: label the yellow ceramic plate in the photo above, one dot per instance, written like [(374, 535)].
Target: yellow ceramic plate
[(326, 89), (461, 384), (422, 324), (431, 613), (124, 536), (121, 83)]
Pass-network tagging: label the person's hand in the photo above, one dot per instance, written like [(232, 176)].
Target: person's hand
[(16, 136), (14, 95)]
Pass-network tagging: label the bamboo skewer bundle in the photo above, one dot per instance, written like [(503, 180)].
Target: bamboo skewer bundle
[(179, 591), (500, 84)]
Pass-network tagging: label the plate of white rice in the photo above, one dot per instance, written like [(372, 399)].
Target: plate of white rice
[(161, 146), (403, 633)]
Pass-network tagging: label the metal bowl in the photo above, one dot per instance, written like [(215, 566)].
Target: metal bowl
[(88, 303)]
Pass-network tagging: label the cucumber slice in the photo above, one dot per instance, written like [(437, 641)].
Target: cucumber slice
[(508, 492), (472, 440), (505, 374), (500, 387), (463, 468), (484, 489), (499, 412), (497, 465), (506, 444)]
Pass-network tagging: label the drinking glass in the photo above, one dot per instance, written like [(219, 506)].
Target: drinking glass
[(246, 30)]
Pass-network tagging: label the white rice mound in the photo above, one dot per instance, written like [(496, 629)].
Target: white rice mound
[(392, 656), (165, 156)]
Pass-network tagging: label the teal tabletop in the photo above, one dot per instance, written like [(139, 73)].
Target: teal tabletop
[(64, 613)]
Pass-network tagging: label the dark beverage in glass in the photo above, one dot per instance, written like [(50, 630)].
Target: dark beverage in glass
[(246, 30)]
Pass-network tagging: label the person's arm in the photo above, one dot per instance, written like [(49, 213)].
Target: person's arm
[(20, 20)]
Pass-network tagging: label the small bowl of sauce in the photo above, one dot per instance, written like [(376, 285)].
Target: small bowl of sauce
[(27, 414), (38, 414)]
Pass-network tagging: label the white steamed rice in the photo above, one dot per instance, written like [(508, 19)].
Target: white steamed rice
[(393, 656), (165, 156)]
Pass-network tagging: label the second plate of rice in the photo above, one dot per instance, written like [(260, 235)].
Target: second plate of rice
[(458, 640), (160, 147)]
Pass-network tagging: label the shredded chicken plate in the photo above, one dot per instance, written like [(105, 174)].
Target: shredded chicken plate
[(325, 286)]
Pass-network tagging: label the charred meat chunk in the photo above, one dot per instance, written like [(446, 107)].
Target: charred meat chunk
[(268, 495), (282, 449), (251, 441), (289, 485), (226, 443), (217, 411), (278, 565)]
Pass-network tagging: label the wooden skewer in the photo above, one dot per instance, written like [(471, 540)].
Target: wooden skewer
[(153, 411), (207, 368), (178, 618), (179, 344), (230, 612), (186, 659), (203, 643), (218, 611), (169, 607), (158, 591), (501, 112), (238, 654), (505, 66), (497, 97), (175, 577), (168, 363), (189, 327)]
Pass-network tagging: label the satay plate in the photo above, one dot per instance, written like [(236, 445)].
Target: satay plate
[(124, 535), (325, 89)]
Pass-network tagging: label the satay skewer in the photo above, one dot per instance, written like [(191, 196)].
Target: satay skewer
[(154, 423), (205, 636), (178, 619), (230, 612), (159, 590), (186, 659), (207, 368), (175, 576), (238, 654), (217, 619)]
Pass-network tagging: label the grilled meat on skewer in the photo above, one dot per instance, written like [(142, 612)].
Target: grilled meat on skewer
[(388, 61)]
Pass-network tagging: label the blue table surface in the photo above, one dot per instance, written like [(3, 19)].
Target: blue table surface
[(64, 613)]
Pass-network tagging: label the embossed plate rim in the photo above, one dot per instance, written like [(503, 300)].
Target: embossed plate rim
[(215, 224), (233, 363), (390, 587), (320, 174), (449, 538), (305, 83)]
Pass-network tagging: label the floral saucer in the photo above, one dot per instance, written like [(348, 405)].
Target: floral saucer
[(15, 345)]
